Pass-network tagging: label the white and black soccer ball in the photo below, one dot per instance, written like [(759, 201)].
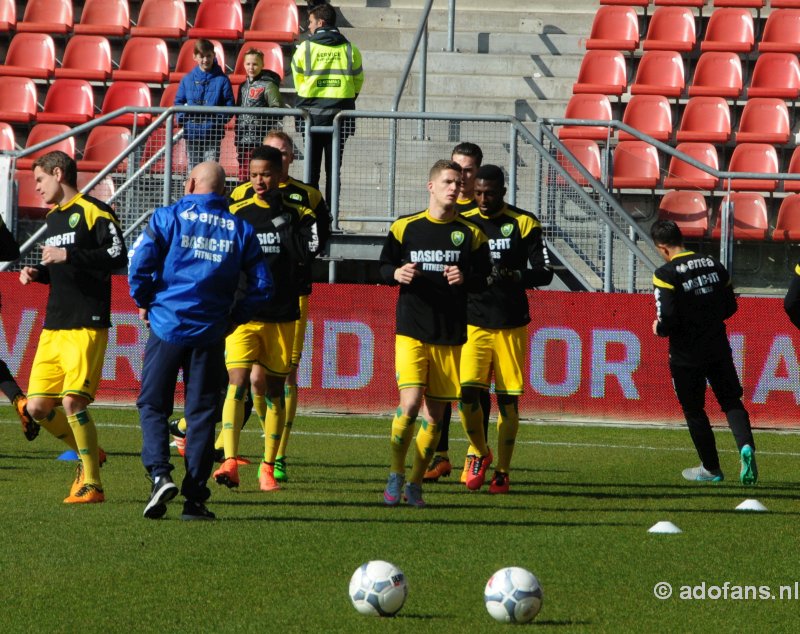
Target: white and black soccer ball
[(513, 595), (378, 588)]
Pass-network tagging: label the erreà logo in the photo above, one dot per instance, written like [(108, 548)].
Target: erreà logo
[(457, 238), (74, 219), (506, 229), (189, 215)]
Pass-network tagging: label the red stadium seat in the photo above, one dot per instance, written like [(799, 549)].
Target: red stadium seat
[(218, 19), (688, 209), (161, 18), (274, 21), (782, 4), (185, 61), (7, 142), (749, 216), (29, 202), (697, 4), (18, 100), (729, 29), (626, 3), (787, 226), (649, 114), (104, 144), (681, 175), (30, 55), (168, 96), (671, 29), (615, 29), (156, 142), (86, 57), (753, 157), (602, 72), (660, 73), (103, 190), (40, 133), (273, 59), (718, 74), (143, 59), (8, 15), (775, 75), (635, 166), (748, 4), (764, 120), (46, 16), (705, 119), (590, 107), (794, 168), (122, 94), (68, 101), (781, 32), (110, 18), (587, 153)]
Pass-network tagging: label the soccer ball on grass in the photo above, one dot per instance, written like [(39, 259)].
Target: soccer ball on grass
[(513, 595), (378, 588)]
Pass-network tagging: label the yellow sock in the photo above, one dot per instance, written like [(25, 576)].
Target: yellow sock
[(507, 428), (86, 438), (402, 433), (182, 425), (56, 423), (290, 393), (472, 422), (260, 408), (232, 417), (273, 426), (427, 439), (219, 443)]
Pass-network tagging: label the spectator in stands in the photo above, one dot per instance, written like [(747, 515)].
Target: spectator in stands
[(205, 85), (9, 250), (328, 77), (184, 273), (436, 257), (694, 297), (261, 89), (83, 245)]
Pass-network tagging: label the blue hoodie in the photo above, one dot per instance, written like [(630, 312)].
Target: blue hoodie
[(199, 88)]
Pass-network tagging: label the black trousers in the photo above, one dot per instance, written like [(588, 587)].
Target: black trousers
[(690, 387)]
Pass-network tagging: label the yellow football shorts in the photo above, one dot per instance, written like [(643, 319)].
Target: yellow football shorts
[(501, 351), (68, 362), (267, 344), (300, 332), (431, 366)]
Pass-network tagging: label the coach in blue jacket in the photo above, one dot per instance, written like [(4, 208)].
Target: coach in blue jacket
[(195, 273), (204, 85)]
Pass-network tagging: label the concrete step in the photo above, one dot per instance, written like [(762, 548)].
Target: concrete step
[(523, 109), (571, 6)]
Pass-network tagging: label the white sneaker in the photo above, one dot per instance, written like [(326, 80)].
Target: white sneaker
[(701, 474)]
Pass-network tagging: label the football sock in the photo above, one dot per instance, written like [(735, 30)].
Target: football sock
[(182, 425), (402, 433), (444, 437), (507, 428), (260, 408), (56, 423), (7, 383), (232, 415), (273, 426), (85, 434), (486, 405), (290, 392), (472, 421), (427, 438)]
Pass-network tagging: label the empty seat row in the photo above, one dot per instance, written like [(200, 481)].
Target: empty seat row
[(143, 59), (699, 4), (272, 20)]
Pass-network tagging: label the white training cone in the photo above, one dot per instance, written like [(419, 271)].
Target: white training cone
[(664, 528), (751, 505)]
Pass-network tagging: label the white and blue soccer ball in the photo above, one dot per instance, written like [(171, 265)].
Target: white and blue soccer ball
[(378, 588), (513, 595)]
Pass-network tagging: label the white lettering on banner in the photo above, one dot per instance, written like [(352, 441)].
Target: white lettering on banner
[(331, 379), (622, 370), (307, 360), (13, 357), (572, 363), (737, 350), (132, 352), (782, 350)]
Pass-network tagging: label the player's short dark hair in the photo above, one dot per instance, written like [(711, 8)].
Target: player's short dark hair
[(325, 13), (442, 165), (58, 159), (468, 149), (667, 233), (269, 154), (203, 47), (491, 173)]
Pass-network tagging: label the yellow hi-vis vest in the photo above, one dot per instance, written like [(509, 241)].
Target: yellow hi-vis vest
[(327, 72)]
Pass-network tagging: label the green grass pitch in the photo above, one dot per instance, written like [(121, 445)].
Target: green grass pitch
[(581, 502)]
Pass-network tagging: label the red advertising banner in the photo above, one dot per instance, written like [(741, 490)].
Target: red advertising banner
[(591, 355)]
